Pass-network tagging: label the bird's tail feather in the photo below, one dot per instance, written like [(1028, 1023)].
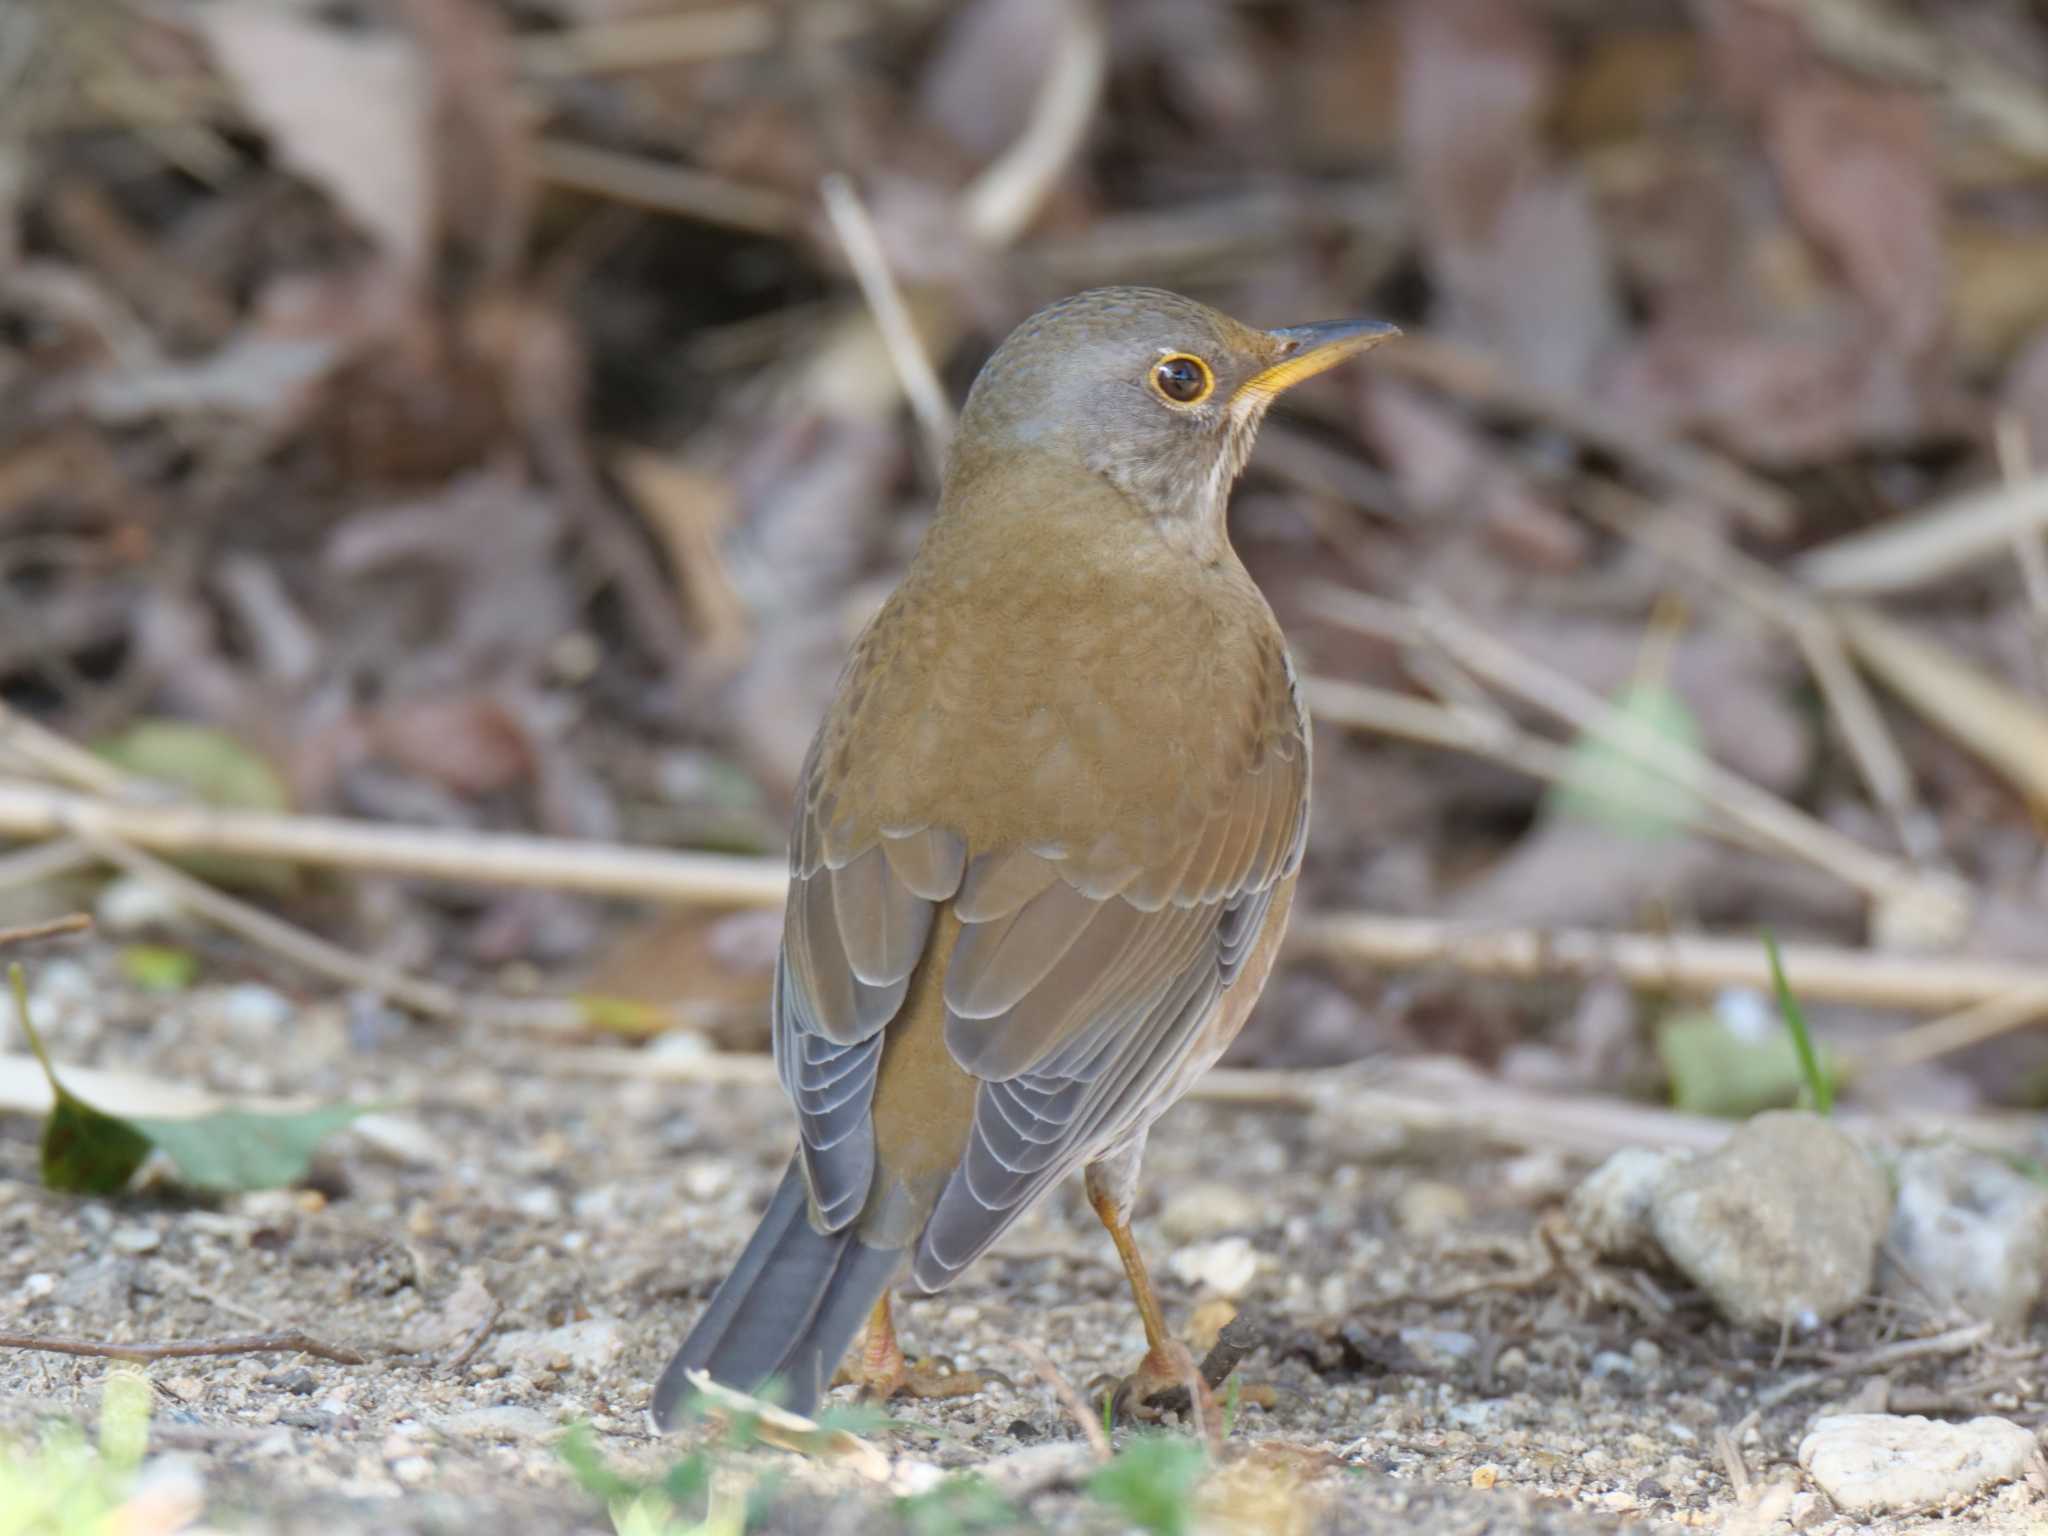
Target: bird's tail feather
[(788, 1310)]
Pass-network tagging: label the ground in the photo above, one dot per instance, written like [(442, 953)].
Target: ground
[(518, 1244)]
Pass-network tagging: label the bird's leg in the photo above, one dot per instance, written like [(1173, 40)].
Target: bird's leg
[(878, 1368), (1167, 1366)]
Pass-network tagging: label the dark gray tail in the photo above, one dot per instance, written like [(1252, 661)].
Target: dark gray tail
[(789, 1309)]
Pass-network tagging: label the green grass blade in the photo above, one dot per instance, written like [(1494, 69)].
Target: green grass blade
[(1819, 1086)]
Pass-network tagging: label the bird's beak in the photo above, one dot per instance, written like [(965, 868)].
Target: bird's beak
[(1306, 350)]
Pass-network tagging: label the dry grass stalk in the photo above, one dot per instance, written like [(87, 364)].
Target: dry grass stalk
[(1777, 601), (662, 187), (1926, 904), (914, 371), (1916, 551), (1683, 964), (427, 998), (692, 36), (1429, 1096), (30, 810), (2001, 726)]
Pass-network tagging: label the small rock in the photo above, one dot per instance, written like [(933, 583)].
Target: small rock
[(128, 906), (1780, 1225), (1438, 1347), (1202, 1211), (507, 1421), (1611, 1207), (1970, 1233), (590, 1345), (1882, 1463), (1429, 1209), (38, 1285), (705, 1178), (252, 1008), (1225, 1266), (538, 1202), (401, 1138), (135, 1239)]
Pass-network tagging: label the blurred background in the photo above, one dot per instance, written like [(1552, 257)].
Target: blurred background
[(465, 414)]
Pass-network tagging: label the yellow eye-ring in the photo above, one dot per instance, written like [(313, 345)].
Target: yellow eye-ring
[(1183, 379)]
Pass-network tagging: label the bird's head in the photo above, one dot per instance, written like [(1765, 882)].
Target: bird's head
[(1159, 394)]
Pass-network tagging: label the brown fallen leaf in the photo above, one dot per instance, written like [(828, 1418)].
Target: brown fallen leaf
[(309, 86)]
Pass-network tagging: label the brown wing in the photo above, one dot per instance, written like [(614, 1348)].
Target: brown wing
[(1078, 1011)]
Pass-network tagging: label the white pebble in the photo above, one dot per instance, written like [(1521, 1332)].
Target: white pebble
[(1225, 1266), (1882, 1463)]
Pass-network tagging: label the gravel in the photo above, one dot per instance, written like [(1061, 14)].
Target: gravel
[(1441, 1360)]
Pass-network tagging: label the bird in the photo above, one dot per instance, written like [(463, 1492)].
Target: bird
[(1045, 841)]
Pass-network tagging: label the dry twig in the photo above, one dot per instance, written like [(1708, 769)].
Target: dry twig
[(1923, 902), (290, 1341), (428, 998), (1910, 552), (1069, 1399), (914, 370), (56, 927)]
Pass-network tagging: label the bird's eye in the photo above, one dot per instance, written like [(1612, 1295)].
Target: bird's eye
[(1183, 379)]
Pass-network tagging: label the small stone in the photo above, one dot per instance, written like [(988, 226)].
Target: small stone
[(1428, 1209), (590, 1345), (412, 1470), (1968, 1232), (1883, 1464), (128, 906), (1439, 1346), (401, 1138), (538, 1202), (1611, 1362), (705, 1178), (1225, 1266), (1486, 1476), (1780, 1225), (38, 1285), (257, 1009), (1202, 1211), (1611, 1206), (135, 1239), (506, 1421)]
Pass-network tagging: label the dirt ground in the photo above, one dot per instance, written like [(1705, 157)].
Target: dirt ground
[(1434, 1370)]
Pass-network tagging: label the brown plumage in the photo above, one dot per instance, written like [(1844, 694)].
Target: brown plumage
[(1047, 835)]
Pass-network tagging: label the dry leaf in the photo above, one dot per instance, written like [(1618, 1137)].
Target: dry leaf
[(1857, 166), (351, 111)]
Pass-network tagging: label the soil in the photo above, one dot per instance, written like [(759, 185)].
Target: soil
[(517, 1247)]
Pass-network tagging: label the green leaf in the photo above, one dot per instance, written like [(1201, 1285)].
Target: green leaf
[(240, 1149), (1152, 1484), (1605, 783), (1715, 1070), (1820, 1085), (84, 1151), (89, 1152), (593, 1474), (218, 771), (159, 967)]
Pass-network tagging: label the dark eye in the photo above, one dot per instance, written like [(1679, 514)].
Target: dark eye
[(1183, 379)]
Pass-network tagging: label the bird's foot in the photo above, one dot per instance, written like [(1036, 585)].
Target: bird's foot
[(1166, 1381), (880, 1371), (1172, 1384)]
